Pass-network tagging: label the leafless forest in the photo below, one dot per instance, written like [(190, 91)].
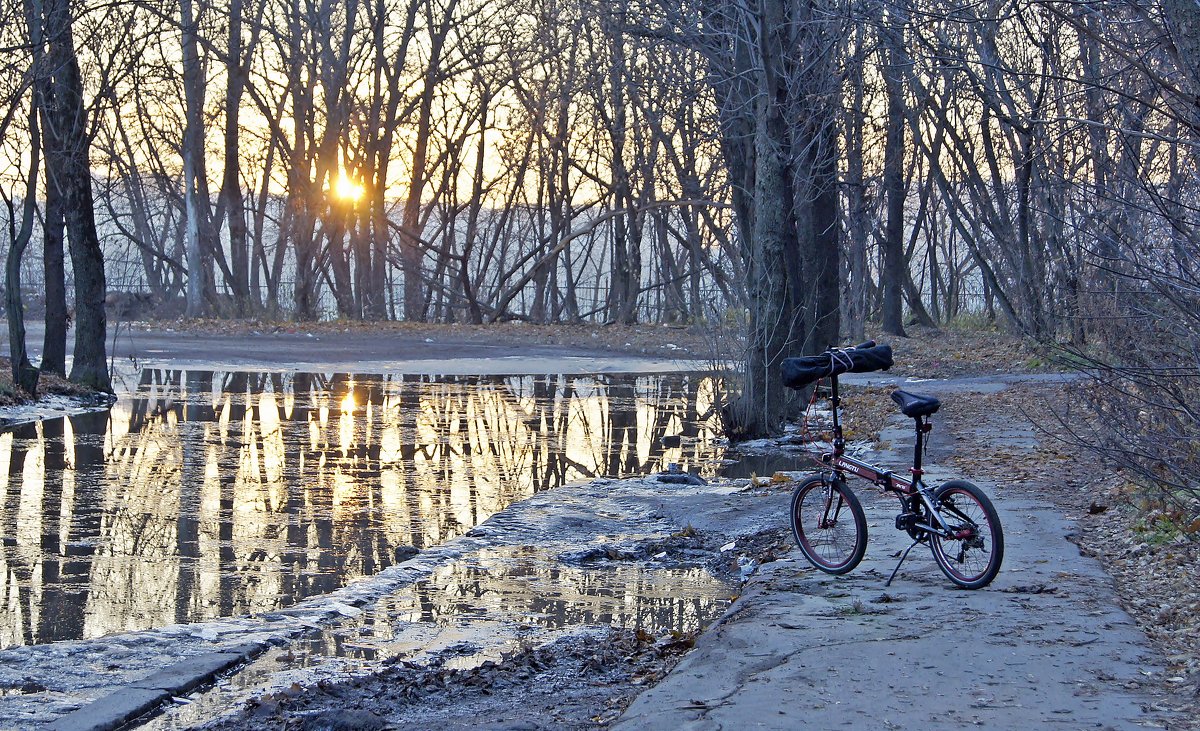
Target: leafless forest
[(798, 169)]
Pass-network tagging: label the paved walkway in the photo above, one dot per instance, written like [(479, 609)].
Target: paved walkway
[(1045, 646)]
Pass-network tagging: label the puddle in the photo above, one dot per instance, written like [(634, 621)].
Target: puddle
[(212, 494), (765, 465), (534, 590), (502, 597), (495, 602)]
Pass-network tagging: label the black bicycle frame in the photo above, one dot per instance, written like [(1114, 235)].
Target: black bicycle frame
[(840, 463)]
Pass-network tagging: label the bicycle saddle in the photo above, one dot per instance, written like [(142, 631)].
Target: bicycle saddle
[(915, 405)]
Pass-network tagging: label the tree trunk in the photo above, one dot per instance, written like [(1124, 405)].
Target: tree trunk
[(69, 170), (232, 204), (772, 80), (193, 162), (24, 374), (856, 198), (412, 252), (763, 402), (892, 273), (54, 343), (1183, 22), (626, 270), (822, 251)]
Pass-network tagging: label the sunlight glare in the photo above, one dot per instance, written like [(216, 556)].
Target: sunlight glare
[(347, 188)]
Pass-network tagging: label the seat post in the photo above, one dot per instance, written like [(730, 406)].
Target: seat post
[(919, 448)]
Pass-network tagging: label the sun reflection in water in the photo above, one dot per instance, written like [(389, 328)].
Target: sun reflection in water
[(215, 494)]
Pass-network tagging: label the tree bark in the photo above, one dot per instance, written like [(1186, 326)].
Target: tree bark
[(68, 169), (54, 342), (230, 196), (894, 263), (858, 222), (412, 251), (192, 152), (24, 374), (1183, 22), (771, 72)]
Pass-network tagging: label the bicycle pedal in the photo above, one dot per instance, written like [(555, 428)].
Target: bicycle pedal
[(905, 521)]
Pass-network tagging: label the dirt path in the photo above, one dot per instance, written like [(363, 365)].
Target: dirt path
[(429, 347), (292, 345)]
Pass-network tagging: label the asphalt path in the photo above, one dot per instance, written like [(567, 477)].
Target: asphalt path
[(1046, 646), (353, 351)]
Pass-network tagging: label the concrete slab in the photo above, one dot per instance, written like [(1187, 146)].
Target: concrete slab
[(1043, 647), (185, 676), (112, 711)]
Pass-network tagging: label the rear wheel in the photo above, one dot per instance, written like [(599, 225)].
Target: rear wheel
[(829, 524), (972, 557)]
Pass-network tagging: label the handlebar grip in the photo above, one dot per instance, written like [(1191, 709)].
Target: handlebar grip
[(864, 346)]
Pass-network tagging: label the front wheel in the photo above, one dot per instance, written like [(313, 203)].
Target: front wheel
[(971, 557), (829, 524)]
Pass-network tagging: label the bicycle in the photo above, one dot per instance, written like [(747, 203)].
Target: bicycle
[(956, 519)]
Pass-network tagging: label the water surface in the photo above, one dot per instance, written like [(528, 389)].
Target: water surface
[(207, 494)]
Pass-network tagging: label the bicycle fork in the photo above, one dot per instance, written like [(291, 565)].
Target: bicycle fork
[(829, 520)]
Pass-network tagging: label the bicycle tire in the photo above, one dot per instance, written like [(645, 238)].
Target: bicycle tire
[(973, 560), (818, 514)]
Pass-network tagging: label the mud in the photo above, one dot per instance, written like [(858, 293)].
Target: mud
[(578, 682)]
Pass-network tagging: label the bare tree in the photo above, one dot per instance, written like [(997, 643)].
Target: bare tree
[(25, 376), (771, 67), (895, 264), (68, 171)]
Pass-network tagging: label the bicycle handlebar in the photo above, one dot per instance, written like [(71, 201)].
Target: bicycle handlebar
[(799, 372)]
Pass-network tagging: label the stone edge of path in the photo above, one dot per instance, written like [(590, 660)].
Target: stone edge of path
[(144, 696)]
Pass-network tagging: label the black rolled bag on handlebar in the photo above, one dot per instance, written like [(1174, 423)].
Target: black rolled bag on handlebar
[(799, 372)]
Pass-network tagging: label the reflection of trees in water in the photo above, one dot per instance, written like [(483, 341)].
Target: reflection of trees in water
[(211, 494), (48, 530), (532, 590), (521, 586)]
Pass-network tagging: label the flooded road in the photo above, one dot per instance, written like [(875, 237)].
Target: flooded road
[(213, 494)]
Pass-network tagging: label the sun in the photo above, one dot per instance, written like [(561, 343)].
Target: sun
[(347, 188)]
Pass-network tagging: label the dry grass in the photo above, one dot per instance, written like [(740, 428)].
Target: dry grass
[(947, 353), (48, 383)]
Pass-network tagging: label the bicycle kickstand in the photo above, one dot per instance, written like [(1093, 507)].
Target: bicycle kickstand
[(897, 569)]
